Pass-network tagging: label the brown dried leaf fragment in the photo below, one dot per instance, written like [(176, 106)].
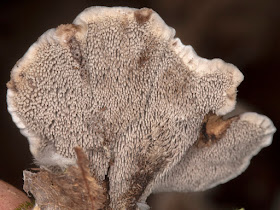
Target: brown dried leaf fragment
[(213, 128), (73, 189)]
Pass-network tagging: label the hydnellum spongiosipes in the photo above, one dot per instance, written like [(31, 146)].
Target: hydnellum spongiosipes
[(146, 109)]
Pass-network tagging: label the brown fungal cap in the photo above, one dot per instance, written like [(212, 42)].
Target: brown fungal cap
[(118, 84)]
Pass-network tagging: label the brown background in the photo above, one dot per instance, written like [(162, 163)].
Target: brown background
[(245, 33)]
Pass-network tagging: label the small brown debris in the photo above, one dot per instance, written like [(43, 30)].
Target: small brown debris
[(67, 31), (142, 15), (213, 128), (11, 85)]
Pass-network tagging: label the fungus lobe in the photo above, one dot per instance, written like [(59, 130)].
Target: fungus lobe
[(145, 108)]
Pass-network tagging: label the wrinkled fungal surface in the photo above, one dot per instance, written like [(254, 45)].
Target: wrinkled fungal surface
[(146, 109)]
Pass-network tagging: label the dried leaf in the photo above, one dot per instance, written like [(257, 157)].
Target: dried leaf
[(73, 189)]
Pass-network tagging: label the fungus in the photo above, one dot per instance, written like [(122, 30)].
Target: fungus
[(146, 109)]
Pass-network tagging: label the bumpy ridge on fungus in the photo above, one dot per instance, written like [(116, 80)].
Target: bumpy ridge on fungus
[(118, 84)]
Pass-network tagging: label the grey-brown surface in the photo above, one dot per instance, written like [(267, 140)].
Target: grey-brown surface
[(194, 37), (118, 84)]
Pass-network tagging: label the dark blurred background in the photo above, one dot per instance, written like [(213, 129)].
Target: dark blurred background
[(245, 33)]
